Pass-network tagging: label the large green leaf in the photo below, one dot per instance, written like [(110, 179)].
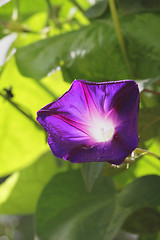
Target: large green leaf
[(93, 52), (20, 192), (67, 211), (21, 141)]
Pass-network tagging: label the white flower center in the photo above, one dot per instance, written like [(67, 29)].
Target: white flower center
[(102, 130)]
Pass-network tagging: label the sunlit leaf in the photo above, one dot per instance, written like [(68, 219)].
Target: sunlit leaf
[(21, 141), (3, 2), (20, 192), (26, 8)]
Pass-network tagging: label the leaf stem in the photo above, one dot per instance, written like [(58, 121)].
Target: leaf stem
[(119, 35), (143, 151)]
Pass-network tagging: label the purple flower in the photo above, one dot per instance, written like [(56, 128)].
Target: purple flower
[(93, 122)]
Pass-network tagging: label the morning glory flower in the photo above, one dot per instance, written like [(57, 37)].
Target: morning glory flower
[(93, 122)]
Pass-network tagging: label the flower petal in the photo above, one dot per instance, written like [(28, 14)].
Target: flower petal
[(63, 137), (114, 152), (86, 106)]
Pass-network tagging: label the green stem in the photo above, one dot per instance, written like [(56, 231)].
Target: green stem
[(15, 105), (119, 35), (143, 151)]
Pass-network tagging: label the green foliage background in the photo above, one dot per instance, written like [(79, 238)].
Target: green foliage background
[(44, 46)]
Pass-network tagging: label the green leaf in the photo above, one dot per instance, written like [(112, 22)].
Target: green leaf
[(67, 211), (136, 6), (148, 124), (141, 193), (91, 171), (97, 10), (97, 41), (26, 8), (155, 236), (142, 221), (6, 10), (20, 192)]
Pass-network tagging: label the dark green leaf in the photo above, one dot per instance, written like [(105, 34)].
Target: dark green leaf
[(136, 6), (97, 10), (122, 235), (67, 211), (151, 236), (145, 220), (97, 41), (141, 193), (148, 124)]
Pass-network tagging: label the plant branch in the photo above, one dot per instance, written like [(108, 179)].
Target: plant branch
[(119, 35), (77, 5), (151, 91), (15, 105)]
